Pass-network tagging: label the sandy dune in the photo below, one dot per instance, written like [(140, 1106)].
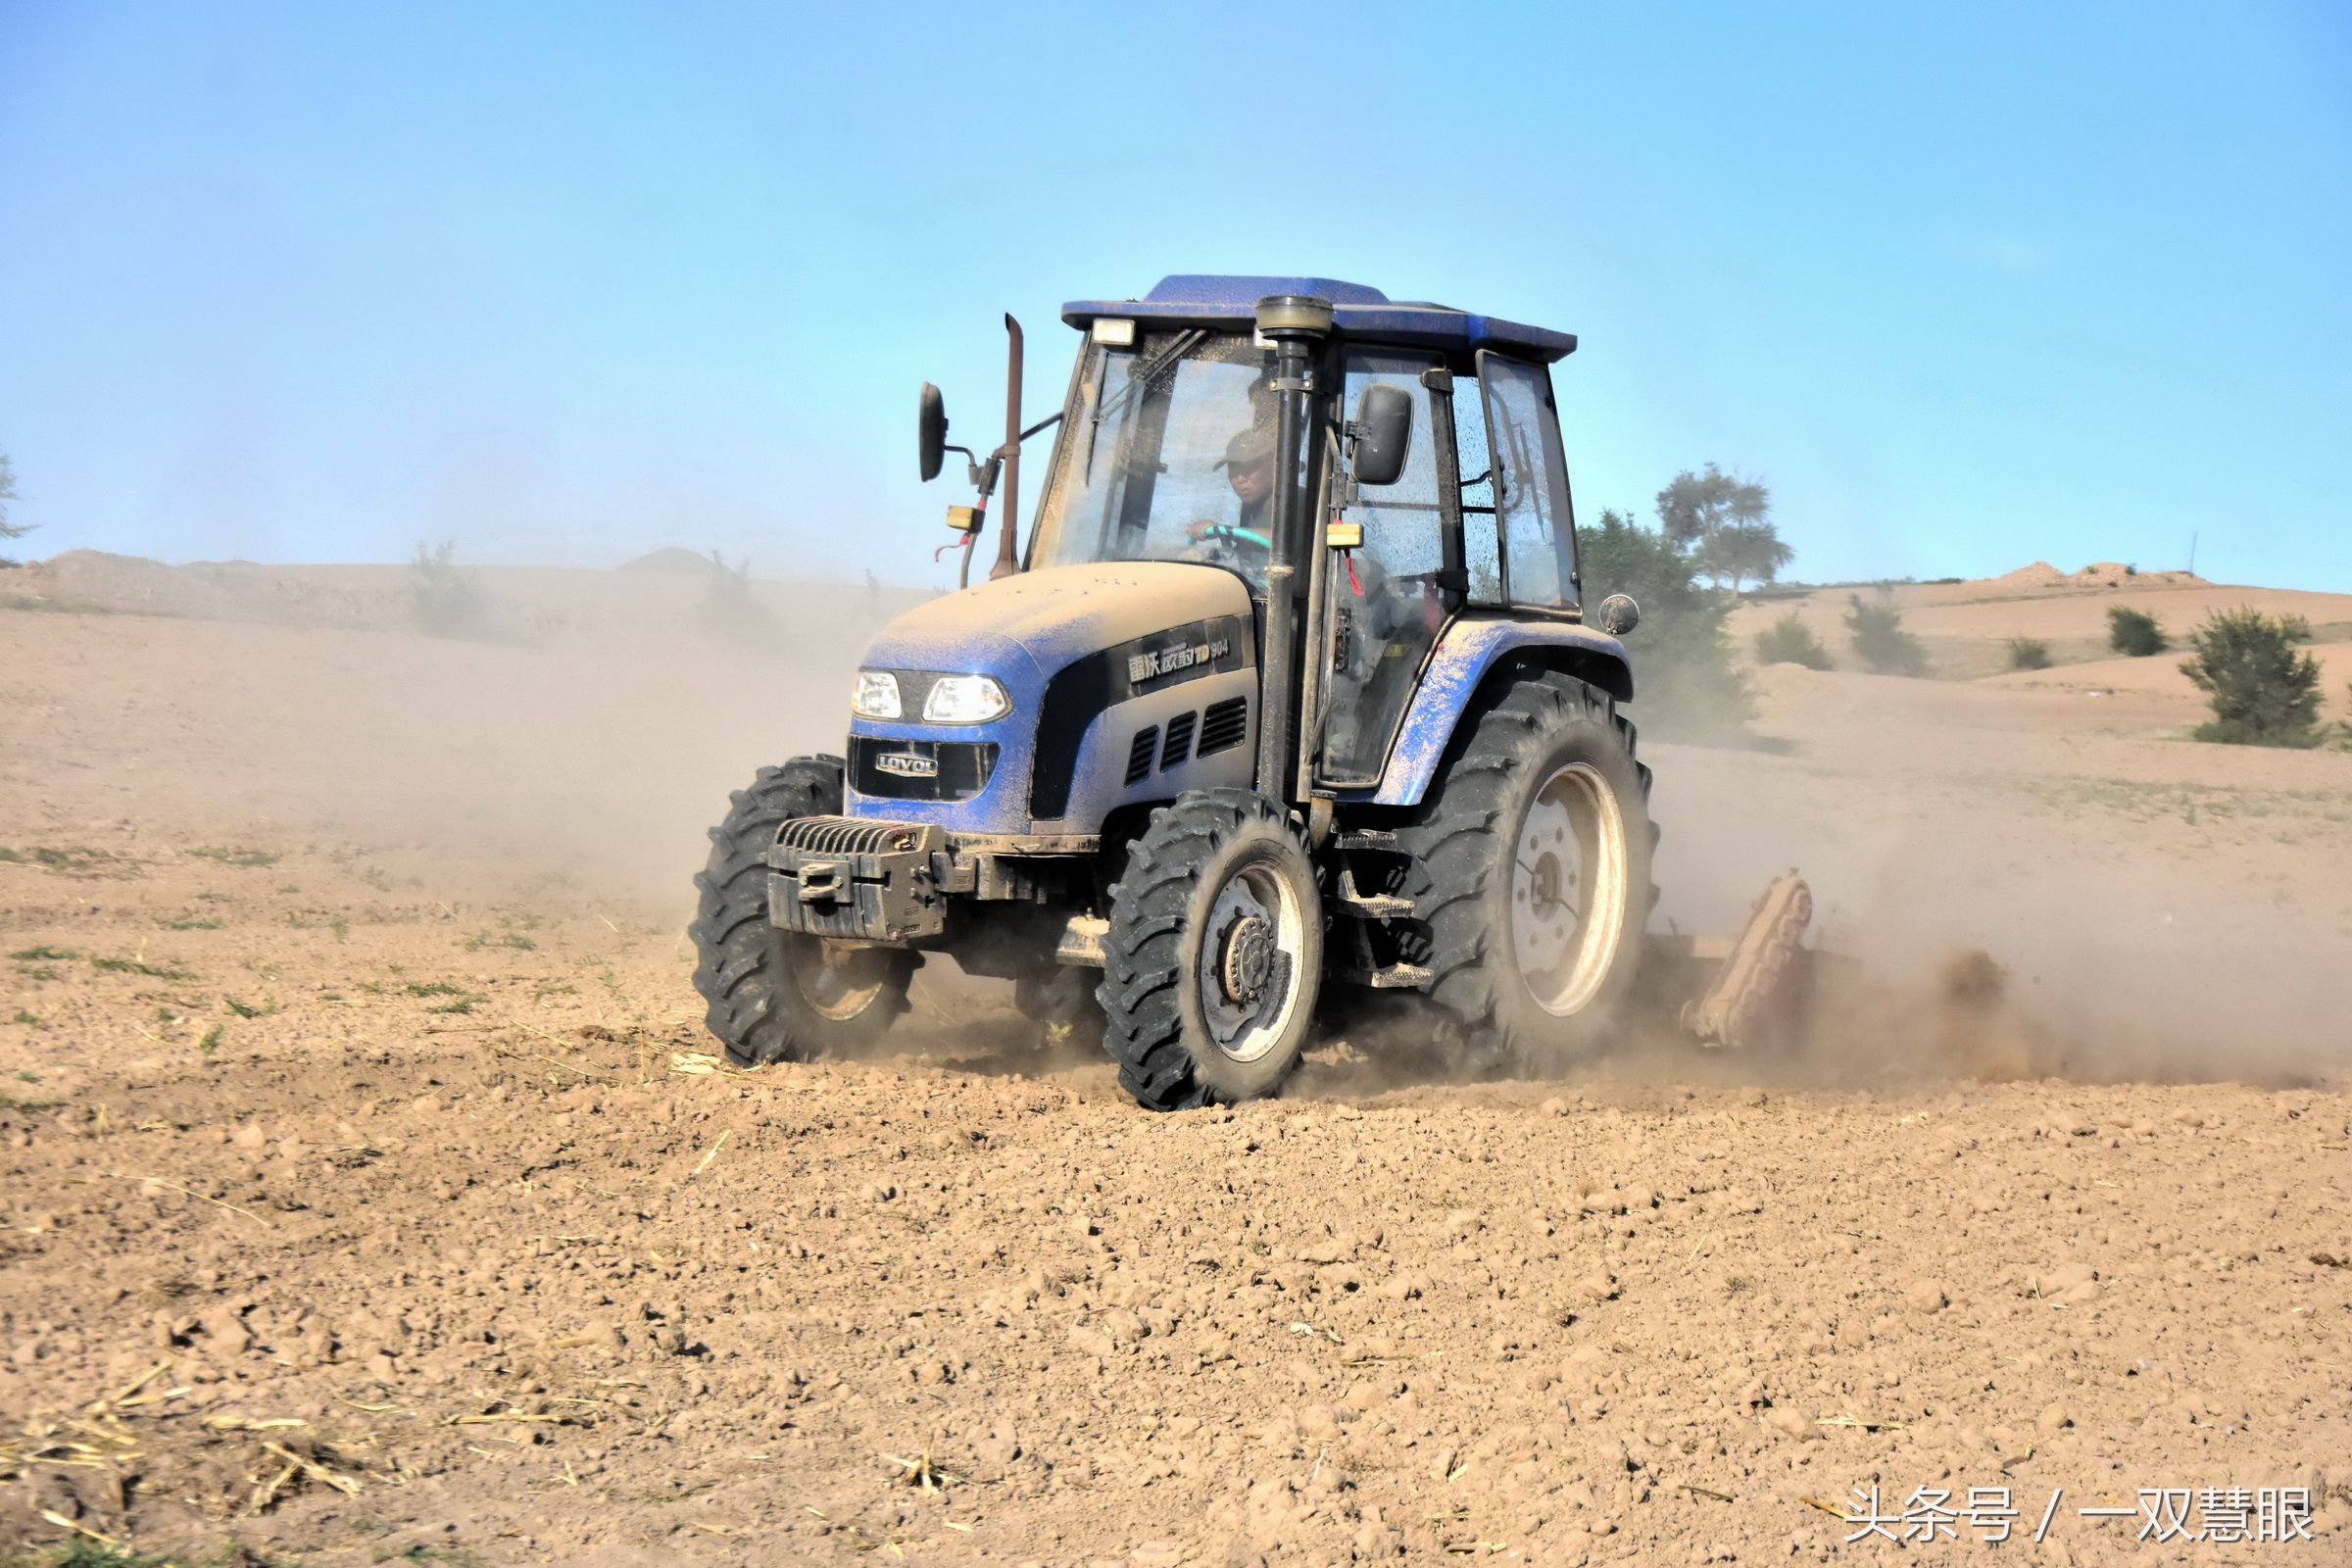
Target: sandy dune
[(355, 1131), (1967, 625)]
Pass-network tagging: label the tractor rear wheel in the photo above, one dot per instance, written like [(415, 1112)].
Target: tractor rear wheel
[(779, 996), (1214, 952), (1533, 851)]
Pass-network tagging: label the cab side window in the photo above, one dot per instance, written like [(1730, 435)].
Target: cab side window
[(1537, 536), (1482, 543)]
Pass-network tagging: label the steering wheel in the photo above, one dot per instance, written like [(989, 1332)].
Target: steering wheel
[(1226, 544)]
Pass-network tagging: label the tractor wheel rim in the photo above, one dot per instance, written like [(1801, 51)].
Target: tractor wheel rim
[(1568, 890), (1247, 976), (839, 983)]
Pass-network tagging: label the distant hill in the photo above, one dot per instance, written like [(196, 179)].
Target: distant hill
[(672, 558), (655, 600)]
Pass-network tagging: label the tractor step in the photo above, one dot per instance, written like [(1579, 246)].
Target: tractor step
[(1372, 906), (1388, 977), (1349, 900)]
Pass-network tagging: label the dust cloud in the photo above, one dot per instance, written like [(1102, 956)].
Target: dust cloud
[(2023, 896), (584, 731), (578, 741)]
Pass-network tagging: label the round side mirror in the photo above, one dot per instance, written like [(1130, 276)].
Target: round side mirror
[(932, 431), (1618, 614)]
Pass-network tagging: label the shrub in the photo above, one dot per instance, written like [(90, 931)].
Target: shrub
[(2134, 632), (1879, 638), (1789, 641), (8, 493), (2262, 692), (2028, 653), (732, 609), (1682, 654), (447, 603)]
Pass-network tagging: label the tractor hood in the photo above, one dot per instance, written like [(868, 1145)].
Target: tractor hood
[(1025, 629), (1095, 658)]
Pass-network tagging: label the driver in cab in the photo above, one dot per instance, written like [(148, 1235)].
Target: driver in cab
[(1248, 465)]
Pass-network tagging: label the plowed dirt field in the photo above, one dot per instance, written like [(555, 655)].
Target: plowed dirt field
[(367, 1195)]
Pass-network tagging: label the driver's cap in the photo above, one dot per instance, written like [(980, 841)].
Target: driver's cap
[(1248, 448)]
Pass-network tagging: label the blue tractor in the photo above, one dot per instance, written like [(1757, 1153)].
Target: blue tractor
[(1291, 702)]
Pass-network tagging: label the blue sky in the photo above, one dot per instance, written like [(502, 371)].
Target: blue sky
[(1966, 287)]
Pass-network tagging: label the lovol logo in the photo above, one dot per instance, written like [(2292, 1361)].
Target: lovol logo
[(907, 765)]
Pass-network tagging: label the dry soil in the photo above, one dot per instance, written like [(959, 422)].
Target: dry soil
[(368, 1193)]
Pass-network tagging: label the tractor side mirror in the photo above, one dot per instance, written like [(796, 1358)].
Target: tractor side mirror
[(932, 433), (1383, 432), (1618, 614)]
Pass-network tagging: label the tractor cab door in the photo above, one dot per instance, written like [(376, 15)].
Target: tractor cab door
[(1386, 596), (1479, 519)]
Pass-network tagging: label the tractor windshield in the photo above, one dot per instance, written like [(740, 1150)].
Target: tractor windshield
[(1168, 456)]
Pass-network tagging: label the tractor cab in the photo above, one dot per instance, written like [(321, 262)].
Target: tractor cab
[(1426, 472)]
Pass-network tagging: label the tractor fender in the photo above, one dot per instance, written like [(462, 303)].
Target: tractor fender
[(1468, 651)]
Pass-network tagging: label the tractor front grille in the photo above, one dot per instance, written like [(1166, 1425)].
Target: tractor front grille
[(920, 771)]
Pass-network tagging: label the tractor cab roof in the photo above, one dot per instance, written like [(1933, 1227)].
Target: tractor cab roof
[(1190, 299)]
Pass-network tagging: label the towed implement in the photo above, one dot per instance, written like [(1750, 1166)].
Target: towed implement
[(1289, 701)]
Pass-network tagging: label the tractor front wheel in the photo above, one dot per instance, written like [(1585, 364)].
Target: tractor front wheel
[(779, 996), (1214, 952)]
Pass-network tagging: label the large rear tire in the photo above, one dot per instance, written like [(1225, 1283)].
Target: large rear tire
[(777, 996), (1532, 855), (1214, 952)]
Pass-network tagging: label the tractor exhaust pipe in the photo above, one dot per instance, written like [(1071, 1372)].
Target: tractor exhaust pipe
[(1008, 520), (1297, 323)]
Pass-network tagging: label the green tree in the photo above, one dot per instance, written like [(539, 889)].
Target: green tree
[(1789, 641), (2262, 692), (1879, 640), (1682, 652), (1695, 507), (1739, 551), (8, 493), (2134, 632)]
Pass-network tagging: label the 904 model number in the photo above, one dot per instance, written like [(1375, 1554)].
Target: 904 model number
[(1162, 661)]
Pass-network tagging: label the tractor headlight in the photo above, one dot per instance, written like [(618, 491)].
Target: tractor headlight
[(966, 700), (876, 695)]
